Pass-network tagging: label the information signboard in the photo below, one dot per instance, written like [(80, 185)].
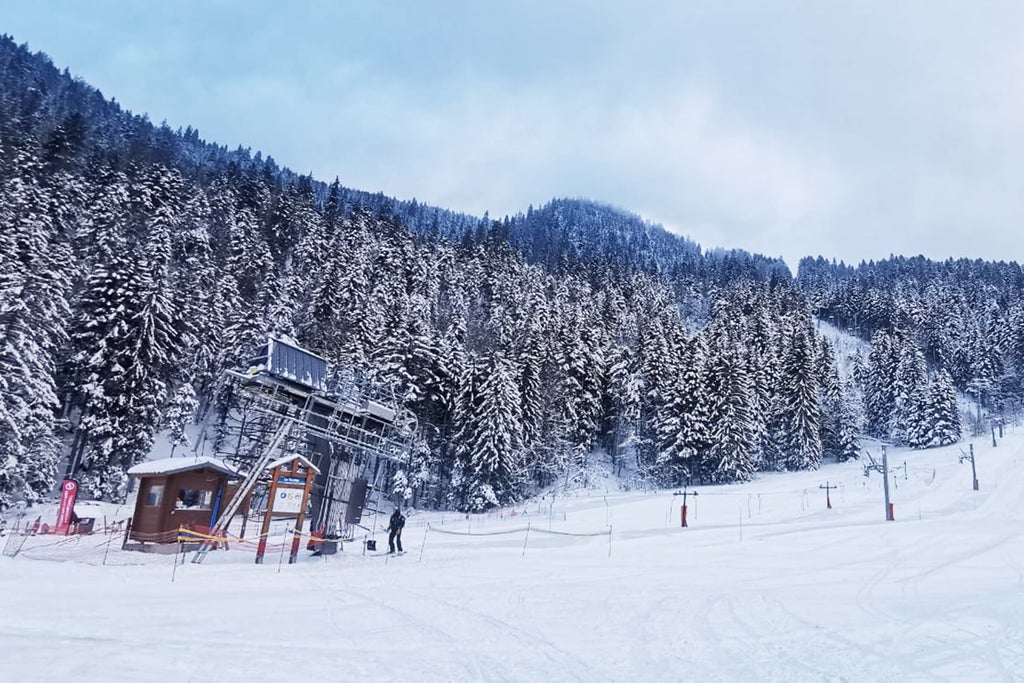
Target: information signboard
[(288, 501)]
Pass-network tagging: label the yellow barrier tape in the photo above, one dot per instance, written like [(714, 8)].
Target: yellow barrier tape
[(190, 535)]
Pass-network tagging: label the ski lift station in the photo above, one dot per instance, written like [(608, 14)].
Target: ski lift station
[(291, 401)]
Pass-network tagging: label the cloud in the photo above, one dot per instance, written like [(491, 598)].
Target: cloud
[(851, 131), (683, 160)]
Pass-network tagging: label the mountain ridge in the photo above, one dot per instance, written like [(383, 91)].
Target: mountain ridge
[(186, 150)]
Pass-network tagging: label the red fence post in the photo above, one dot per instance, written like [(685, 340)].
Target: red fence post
[(682, 514), (261, 549)]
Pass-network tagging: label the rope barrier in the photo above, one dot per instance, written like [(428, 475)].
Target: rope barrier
[(606, 532), (479, 533), (522, 529)]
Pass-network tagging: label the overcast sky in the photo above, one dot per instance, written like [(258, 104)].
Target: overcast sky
[(848, 129)]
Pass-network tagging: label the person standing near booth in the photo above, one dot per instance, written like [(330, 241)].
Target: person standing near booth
[(395, 525)]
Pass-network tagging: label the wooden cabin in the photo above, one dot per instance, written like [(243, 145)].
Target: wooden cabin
[(177, 492)]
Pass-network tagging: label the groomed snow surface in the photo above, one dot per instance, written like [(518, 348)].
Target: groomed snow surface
[(765, 584)]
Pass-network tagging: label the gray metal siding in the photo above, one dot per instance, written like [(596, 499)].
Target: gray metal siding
[(294, 364)]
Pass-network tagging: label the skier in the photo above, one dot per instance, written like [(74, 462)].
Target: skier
[(395, 525)]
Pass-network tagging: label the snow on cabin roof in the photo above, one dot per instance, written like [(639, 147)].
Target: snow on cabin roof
[(175, 465), (294, 456)]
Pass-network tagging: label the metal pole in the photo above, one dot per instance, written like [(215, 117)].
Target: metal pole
[(422, 545), (885, 483), (280, 561), (11, 534), (974, 471), (110, 537), (181, 550)]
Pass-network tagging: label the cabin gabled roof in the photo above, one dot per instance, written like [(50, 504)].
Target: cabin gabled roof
[(293, 456), (166, 466)]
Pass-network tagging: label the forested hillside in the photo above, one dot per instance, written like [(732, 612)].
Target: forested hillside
[(138, 263), (934, 327)]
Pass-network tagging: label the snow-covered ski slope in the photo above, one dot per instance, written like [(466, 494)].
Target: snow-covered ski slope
[(797, 593)]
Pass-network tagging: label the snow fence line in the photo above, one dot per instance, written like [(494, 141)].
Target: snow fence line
[(107, 548), (90, 549), (525, 530), (522, 529)]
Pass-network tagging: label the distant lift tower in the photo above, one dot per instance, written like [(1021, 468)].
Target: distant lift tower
[(291, 401)]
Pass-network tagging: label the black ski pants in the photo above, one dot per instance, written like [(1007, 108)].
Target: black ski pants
[(395, 535)]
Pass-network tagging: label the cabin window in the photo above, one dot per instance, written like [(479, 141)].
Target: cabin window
[(154, 495), (194, 499)]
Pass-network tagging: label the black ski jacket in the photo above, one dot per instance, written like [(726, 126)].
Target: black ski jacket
[(396, 522)]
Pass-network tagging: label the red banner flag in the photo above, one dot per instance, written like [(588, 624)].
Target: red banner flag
[(68, 493)]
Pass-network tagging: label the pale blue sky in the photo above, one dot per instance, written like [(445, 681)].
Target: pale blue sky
[(847, 129)]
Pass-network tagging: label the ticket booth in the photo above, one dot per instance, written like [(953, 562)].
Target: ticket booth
[(178, 492)]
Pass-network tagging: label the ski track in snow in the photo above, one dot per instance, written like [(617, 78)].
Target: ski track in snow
[(798, 593)]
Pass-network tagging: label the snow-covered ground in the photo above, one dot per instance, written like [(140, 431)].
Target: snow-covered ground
[(766, 584)]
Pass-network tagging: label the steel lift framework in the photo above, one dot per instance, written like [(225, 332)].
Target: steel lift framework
[(288, 402)]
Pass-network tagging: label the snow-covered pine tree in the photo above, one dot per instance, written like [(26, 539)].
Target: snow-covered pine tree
[(732, 433), (11, 450), (626, 390), (831, 400), (578, 357), (467, 368), (846, 444), (801, 394), (179, 412), (407, 357), (674, 457), (278, 304), (910, 384), (193, 283), (125, 345), (247, 263), (943, 413), (35, 281), (491, 438), (879, 384), (653, 358), (101, 229), (684, 421), (762, 355), (532, 353)]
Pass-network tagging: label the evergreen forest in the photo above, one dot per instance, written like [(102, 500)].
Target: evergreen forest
[(138, 263)]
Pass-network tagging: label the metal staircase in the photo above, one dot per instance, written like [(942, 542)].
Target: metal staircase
[(248, 484)]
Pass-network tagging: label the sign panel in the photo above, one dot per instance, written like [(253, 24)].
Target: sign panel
[(68, 494), (288, 501), (291, 481)]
